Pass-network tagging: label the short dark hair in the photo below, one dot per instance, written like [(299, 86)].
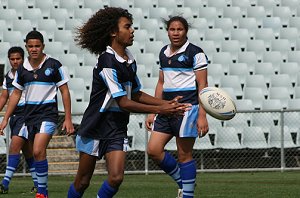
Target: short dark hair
[(177, 18), (34, 35), (15, 49)]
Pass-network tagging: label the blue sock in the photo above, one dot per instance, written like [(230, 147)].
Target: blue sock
[(170, 166), (41, 168), (72, 193), (31, 167), (106, 191), (13, 162), (188, 175)]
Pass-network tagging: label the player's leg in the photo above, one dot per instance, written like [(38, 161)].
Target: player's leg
[(84, 174), (13, 162), (115, 162), (28, 153), (165, 160), (45, 130), (187, 164)]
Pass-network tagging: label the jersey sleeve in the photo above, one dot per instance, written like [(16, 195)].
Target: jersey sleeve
[(136, 85), (110, 77), (4, 86), (18, 81), (60, 74), (200, 61)]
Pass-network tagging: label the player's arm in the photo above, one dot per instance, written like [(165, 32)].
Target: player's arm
[(65, 94), (169, 107), (158, 94), (12, 103), (3, 98), (201, 78)]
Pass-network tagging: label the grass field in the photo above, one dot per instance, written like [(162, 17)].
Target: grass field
[(233, 185)]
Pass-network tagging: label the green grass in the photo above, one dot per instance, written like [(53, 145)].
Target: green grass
[(233, 185)]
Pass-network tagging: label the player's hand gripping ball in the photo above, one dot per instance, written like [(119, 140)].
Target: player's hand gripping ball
[(217, 103)]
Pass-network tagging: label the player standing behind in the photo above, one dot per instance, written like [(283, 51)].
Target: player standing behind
[(183, 71), (115, 93), (18, 140), (39, 77)]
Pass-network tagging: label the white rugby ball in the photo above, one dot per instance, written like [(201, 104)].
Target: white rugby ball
[(217, 103)]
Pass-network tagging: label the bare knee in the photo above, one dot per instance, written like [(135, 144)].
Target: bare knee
[(156, 155), (39, 154), (81, 184), (184, 157), (115, 180)]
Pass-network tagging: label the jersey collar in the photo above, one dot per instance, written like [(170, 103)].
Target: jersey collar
[(11, 75), (27, 65), (167, 52), (110, 50)]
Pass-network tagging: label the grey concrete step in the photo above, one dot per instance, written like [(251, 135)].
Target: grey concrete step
[(61, 152), (67, 166), (61, 142)]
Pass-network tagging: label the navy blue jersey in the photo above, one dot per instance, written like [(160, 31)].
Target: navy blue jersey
[(40, 86), (7, 84), (113, 77), (178, 70)]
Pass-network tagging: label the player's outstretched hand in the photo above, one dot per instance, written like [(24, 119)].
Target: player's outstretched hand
[(175, 101), (68, 126), (174, 109), (149, 121), (2, 126)]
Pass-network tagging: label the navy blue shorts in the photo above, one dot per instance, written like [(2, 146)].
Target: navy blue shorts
[(99, 148), (16, 122), (182, 126)]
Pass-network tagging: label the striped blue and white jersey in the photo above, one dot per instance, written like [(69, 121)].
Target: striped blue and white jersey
[(178, 71), (113, 77), (40, 86), (7, 85)]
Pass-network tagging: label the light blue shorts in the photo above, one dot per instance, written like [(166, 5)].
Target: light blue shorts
[(45, 127)]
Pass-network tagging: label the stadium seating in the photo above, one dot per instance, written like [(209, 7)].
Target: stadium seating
[(292, 4), (205, 143), (290, 68), (265, 34), (242, 4), (209, 13), (255, 94), (258, 46), (249, 58), (257, 12), (227, 138), (257, 80), (257, 40), (284, 13), (244, 105), (232, 46), (254, 138), (266, 69), (77, 85), (216, 71), (45, 6), (290, 33), (250, 24), (275, 137), (48, 25), (234, 82)]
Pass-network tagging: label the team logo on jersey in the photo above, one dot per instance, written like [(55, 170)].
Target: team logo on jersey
[(48, 71), (182, 58)]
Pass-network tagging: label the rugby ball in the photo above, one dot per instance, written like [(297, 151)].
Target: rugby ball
[(217, 103)]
